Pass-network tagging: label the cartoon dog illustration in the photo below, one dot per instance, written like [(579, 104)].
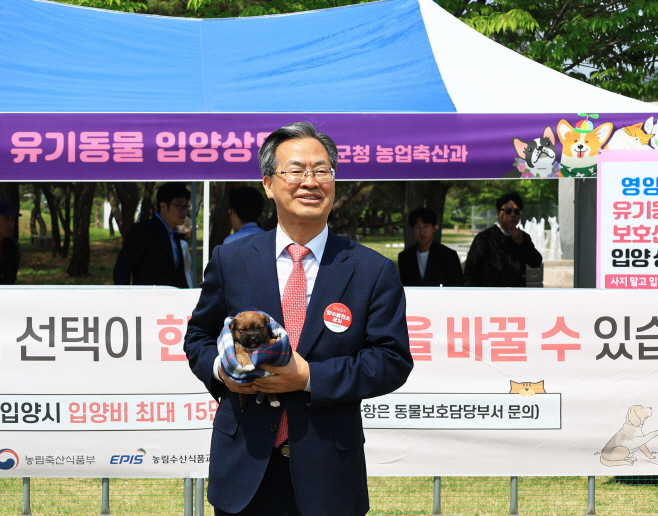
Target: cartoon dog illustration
[(619, 450), (537, 158), (630, 137), (580, 145)]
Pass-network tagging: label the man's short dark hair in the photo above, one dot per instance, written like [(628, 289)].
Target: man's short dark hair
[(296, 131), (424, 214), (170, 191), (512, 196), (247, 203)]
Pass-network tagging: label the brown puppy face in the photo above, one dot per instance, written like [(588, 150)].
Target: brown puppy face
[(250, 330)]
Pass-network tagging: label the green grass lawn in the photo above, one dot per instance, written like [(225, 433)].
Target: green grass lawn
[(460, 496)]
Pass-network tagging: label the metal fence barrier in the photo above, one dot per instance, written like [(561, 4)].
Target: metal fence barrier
[(447, 496)]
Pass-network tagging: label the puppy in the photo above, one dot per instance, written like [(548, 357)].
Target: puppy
[(619, 450), (580, 146), (539, 154), (251, 332)]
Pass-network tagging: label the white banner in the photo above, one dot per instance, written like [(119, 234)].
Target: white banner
[(94, 383)]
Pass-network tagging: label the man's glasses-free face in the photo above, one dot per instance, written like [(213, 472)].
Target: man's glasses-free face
[(298, 175)]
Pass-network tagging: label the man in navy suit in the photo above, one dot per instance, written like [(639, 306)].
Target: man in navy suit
[(320, 469), (151, 253)]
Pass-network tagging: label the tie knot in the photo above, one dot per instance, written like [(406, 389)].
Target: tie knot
[(297, 252)]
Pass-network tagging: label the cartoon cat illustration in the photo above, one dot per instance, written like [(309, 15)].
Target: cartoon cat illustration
[(630, 137), (527, 388)]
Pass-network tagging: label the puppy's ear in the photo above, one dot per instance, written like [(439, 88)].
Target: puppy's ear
[(231, 325), (520, 146), (632, 417)]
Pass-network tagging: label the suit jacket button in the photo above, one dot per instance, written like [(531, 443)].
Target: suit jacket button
[(272, 428)]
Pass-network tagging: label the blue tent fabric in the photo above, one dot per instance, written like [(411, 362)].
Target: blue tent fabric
[(363, 58)]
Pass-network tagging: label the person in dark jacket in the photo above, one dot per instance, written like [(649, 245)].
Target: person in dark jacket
[(8, 248), (499, 254), (428, 263), (152, 252)]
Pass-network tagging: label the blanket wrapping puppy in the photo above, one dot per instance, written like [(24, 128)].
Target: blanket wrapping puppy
[(277, 353)]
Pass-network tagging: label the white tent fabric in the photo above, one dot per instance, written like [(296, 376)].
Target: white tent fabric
[(482, 76)]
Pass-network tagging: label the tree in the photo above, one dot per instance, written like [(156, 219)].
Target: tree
[(83, 203), (610, 44)]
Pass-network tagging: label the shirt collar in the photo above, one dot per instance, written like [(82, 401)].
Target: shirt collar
[(502, 230), (169, 230), (316, 245)]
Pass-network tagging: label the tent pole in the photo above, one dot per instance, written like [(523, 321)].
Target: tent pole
[(206, 223), (194, 239)]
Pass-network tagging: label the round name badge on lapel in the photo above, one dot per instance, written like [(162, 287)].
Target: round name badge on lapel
[(337, 317)]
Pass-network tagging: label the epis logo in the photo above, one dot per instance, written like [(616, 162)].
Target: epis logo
[(128, 459), (8, 459)]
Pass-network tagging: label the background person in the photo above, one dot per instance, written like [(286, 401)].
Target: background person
[(498, 255), (428, 263), (9, 255), (307, 456), (246, 207), (151, 252)]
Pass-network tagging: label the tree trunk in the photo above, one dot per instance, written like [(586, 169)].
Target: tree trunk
[(414, 197), (220, 222), (84, 201), (345, 199), (111, 223), (435, 198), (389, 229), (114, 205), (66, 221), (53, 208), (128, 195), (147, 202), (35, 215), (10, 192)]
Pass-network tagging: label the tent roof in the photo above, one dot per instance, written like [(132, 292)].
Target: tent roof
[(388, 56)]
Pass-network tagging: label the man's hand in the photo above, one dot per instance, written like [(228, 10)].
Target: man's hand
[(291, 377), (240, 388), (516, 233)]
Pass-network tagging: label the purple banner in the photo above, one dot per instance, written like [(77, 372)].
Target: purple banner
[(224, 147)]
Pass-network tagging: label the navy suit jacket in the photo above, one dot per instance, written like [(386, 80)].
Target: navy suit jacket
[(326, 437), (147, 256)]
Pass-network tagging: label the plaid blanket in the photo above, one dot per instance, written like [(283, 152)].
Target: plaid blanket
[(277, 353)]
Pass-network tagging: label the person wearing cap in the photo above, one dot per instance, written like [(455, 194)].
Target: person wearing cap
[(246, 206), (8, 248), (499, 255), (151, 252)]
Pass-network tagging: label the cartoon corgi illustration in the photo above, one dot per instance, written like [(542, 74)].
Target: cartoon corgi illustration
[(630, 137), (580, 146)]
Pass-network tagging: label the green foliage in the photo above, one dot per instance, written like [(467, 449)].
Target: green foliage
[(127, 6), (612, 45)]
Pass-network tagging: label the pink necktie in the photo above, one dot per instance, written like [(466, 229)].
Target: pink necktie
[(293, 305)]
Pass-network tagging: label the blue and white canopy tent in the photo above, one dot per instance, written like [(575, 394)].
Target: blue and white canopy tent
[(392, 56), (405, 89)]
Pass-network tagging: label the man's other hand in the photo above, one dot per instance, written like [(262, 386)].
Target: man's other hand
[(291, 377)]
